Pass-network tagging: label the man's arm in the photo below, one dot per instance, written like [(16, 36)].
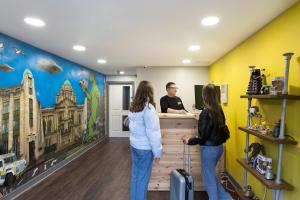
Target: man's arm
[(170, 110), (163, 105), (183, 108)]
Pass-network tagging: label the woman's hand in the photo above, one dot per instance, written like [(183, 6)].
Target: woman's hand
[(185, 139), (197, 116), (156, 161)]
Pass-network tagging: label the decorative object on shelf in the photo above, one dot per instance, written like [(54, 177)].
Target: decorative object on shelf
[(269, 173), (224, 93), (249, 193), (255, 82), (255, 149), (277, 85), (276, 129), (262, 163), (265, 89), (254, 113), (264, 128)]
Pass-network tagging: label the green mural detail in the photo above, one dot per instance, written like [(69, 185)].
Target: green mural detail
[(94, 100)]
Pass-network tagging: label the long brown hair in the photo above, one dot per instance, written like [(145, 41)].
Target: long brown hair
[(144, 94), (212, 104)]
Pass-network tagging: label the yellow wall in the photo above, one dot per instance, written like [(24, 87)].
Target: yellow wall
[(263, 49)]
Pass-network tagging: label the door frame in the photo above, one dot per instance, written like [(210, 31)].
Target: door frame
[(108, 83)]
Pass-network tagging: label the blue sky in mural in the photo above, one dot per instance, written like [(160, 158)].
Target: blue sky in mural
[(49, 71)]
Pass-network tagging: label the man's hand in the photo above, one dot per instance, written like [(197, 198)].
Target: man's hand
[(185, 139), (182, 112)]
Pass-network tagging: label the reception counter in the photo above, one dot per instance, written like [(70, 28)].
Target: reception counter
[(173, 127)]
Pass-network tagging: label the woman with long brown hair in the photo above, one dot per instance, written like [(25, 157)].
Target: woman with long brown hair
[(145, 140), (213, 132)]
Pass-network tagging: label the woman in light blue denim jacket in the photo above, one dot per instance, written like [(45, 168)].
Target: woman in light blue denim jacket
[(145, 140)]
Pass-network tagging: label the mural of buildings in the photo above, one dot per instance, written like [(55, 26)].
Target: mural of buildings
[(65, 123), (48, 110), (40, 130), (20, 120)]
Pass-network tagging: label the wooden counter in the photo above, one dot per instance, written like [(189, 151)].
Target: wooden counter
[(173, 127)]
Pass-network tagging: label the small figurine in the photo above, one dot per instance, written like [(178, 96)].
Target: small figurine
[(265, 89), (269, 173), (249, 193), (276, 129), (255, 149)]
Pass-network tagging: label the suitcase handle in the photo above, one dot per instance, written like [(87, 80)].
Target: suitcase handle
[(184, 158)]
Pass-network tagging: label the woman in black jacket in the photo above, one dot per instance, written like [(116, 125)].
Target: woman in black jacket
[(213, 132)]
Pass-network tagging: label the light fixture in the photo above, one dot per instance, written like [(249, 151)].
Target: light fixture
[(101, 61), (210, 21), (186, 61), (34, 22), (121, 72), (79, 48), (194, 48)]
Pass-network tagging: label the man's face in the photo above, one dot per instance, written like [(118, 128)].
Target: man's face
[(172, 90)]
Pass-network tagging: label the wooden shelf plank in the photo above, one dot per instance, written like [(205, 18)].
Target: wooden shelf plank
[(262, 96), (271, 184), (269, 137)]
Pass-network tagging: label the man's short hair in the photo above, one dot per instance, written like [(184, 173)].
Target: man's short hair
[(169, 84)]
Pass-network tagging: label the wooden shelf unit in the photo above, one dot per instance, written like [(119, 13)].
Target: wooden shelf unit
[(270, 184), (269, 137), (277, 185), (279, 97)]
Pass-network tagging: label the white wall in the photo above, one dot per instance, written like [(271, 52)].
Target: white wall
[(184, 77), (121, 78)]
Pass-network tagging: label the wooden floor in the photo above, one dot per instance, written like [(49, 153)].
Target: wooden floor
[(102, 173)]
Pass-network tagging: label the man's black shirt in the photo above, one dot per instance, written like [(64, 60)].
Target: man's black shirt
[(170, 102)]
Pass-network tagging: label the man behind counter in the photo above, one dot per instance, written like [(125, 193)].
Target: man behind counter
[(171, 103)]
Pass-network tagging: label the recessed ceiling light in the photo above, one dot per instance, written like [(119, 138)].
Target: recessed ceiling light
[(210, 21), (101, 61), (121, 72), (194, 48), (34, 22), (186, 61), (79, 48)]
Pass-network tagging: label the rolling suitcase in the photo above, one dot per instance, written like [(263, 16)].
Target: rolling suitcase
[(181, 182)]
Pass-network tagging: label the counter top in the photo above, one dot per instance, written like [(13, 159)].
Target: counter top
[(176, 116)]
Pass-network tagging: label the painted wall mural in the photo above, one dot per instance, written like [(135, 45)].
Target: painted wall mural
[(50, 108)]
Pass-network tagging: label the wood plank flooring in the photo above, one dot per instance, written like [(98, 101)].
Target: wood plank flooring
[(103, 173)]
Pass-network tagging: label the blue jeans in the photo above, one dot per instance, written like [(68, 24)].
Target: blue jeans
[(140, 173), (210, 155)]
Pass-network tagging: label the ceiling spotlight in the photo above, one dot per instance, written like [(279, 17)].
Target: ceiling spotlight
[(34, 22), (79, 48), (210, 21), (101, 61), (120, 72), (194, 48), (186, 61)]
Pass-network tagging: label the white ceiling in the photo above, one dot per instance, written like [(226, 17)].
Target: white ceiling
[(135, 33)]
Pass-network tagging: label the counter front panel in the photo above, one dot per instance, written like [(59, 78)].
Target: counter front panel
[(173, 127)]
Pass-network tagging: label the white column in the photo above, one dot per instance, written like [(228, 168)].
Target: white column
[(10, 122), (1, 106)]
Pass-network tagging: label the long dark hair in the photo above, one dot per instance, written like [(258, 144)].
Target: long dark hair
[(144, 94), (212, 104)]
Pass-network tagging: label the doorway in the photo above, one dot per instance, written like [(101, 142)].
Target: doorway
[(119, 99), (32, 153)]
